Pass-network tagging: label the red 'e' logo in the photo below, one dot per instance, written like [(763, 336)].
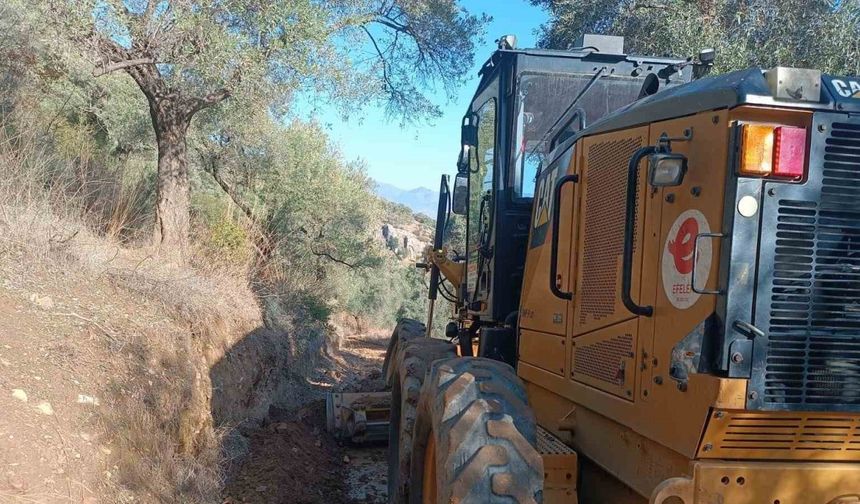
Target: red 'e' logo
[(681, 247)]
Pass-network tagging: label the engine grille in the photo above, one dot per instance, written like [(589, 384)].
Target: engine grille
[(605, 214), (782, 435), (604, 360), (812, 303)]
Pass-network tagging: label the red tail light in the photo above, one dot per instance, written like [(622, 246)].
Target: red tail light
[(773, 151), (789, 152)]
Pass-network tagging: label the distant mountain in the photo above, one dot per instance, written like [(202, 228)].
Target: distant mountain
[(419, 200)]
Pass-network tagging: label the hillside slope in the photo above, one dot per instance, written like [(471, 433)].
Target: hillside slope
[(125, 379), (128, 379)]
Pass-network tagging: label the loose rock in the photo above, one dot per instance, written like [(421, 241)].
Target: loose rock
[(45, 408), (85, 399), (43, 302)]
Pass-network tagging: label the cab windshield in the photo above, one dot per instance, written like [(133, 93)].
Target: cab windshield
[(542, 98)]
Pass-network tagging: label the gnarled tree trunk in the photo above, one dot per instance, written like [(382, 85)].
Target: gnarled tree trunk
[(171, 114), (173, 202)]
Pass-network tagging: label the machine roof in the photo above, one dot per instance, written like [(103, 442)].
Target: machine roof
[(588, 58), (710, 93)]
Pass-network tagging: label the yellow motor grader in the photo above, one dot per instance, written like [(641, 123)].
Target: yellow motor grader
[(659, 300)]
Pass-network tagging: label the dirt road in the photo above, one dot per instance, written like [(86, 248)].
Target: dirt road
[(292, 459)]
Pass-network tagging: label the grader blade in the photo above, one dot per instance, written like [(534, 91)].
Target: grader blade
[(358, 417)]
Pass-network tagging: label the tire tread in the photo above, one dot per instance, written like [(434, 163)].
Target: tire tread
[(485, 434)]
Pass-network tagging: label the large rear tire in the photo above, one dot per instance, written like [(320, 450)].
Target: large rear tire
[(410, 356), (405, 330), (475, 437)]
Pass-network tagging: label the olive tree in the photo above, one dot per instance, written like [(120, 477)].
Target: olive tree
[(187, 56), (819, 34)]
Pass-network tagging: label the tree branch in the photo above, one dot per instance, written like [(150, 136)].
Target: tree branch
[(646, 6), (263, 244), (147, 14), (213, 170), (383, 20), (213, 98), (384, 61), (113, 66), (334, 259), (144, 73)]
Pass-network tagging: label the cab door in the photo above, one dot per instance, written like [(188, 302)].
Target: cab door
[(544, 314), (479, 224)]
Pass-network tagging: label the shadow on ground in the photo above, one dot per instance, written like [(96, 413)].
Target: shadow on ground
[(279, 451)]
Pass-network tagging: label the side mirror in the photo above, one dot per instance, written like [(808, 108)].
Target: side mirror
[(666, 169), (468, 140), (703, 66), (707, 56), (451, 330), (463, 159), (460, 197), (469, 134)]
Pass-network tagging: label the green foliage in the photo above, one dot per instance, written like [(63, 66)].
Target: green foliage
[(323, 218), (228, 236), (413, 296), (454, 237), (284, 180), (298, 189), (260, 53), (819, 34), (316, 307), (399, 214), (384, 295), (219, 234)]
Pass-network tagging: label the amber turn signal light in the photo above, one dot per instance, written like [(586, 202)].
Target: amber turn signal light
[(773, 151)]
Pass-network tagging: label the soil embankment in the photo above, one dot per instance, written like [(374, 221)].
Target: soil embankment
[(125, 379)]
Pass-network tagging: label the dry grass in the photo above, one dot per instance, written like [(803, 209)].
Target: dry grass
[(158, 412), (166, 448), (195, 352)]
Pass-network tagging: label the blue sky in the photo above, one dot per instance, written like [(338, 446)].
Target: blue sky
[(417, 155)]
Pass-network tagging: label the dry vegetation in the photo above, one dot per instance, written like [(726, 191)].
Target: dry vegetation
[(176, 355), (130, 373)]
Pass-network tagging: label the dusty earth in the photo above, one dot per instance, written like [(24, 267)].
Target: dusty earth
[(58, 356), (292, 459), (60, 349), (76, 350)]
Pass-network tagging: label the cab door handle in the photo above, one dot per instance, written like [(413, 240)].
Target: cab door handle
[(556, 217), (629, 238)]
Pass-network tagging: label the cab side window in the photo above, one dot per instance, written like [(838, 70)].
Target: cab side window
[(481, 176)]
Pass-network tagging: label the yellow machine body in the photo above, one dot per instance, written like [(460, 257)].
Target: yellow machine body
[(598, 375)]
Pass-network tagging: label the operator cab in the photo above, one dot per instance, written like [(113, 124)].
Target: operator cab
[(527, 102)]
